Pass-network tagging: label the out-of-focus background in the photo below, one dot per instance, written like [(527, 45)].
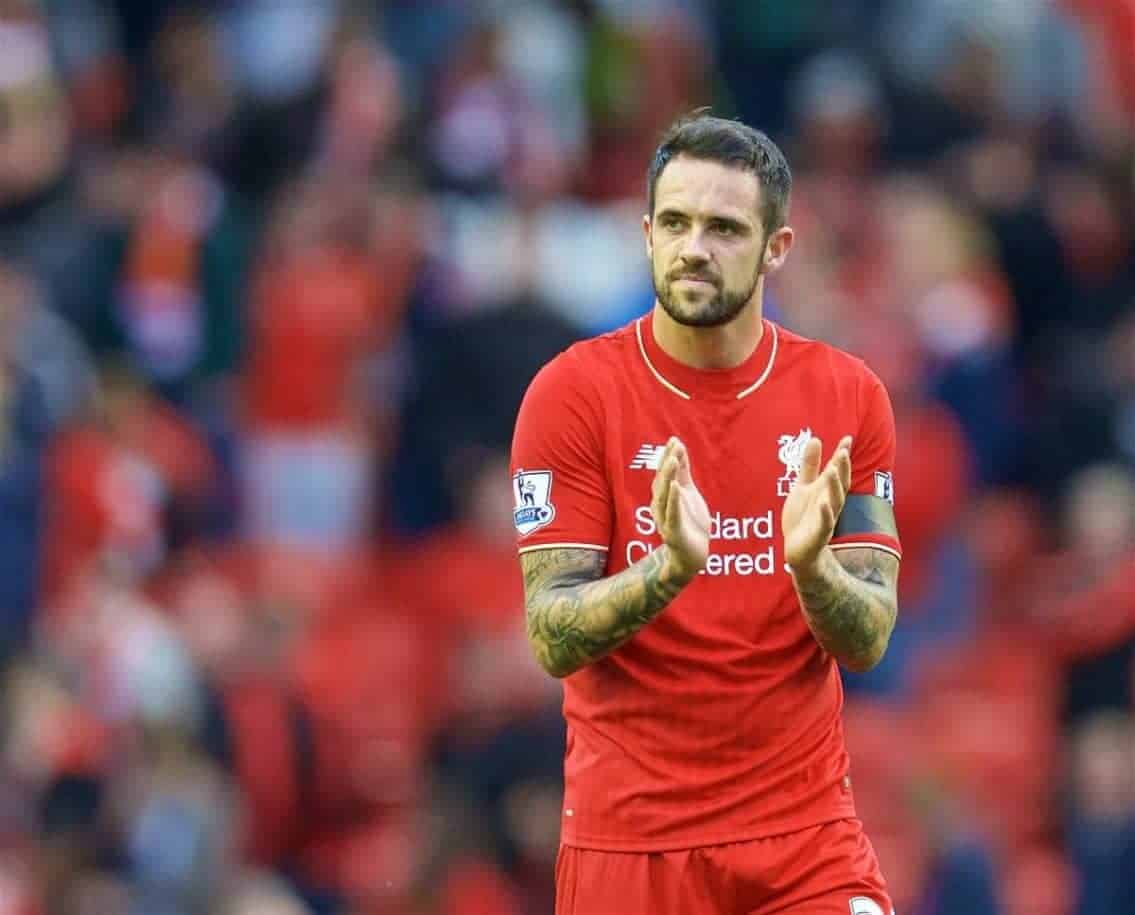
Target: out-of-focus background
[(274, 275)]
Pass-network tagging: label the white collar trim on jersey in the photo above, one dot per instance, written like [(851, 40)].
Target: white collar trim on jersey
[(670, 386)]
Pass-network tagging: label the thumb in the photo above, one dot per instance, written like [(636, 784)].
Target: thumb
[(810, 462)]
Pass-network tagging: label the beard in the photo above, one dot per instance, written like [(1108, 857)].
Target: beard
[(722, 308)]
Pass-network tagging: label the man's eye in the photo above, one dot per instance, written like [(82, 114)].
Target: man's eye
[(672, 222), (723, 228)]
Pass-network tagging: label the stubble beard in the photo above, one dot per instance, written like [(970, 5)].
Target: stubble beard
[(721, 309)]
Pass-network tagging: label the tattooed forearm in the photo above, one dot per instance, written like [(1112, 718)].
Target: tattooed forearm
[(575, 617), (850, 604)]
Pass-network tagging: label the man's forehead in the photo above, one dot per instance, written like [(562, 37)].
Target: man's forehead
[(700, 184)]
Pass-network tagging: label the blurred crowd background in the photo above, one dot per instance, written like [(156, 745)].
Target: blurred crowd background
[(274, 275)]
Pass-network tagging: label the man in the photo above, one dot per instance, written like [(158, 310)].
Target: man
[(698, 612)]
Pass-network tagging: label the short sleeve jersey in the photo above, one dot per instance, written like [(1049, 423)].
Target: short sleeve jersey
[(719, 721)]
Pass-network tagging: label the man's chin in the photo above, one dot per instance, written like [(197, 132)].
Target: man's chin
[(699, 312), (696, 304)]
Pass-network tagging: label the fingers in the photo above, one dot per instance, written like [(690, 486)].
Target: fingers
[(827, 516), (682, 456), (836, 478), (673, 506), (841, 461), (662, 484), (663, 473), (810, 461), (666, 453), (836, 494)]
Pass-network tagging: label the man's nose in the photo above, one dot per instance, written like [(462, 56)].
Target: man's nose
[(693, 249)]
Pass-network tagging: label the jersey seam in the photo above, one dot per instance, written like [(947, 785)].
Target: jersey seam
[(598, 843), (563, 546)]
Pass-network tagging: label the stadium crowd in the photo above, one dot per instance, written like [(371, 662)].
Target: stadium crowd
[(274, 275)]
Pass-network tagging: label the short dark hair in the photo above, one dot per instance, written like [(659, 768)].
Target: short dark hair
[(702, 136)]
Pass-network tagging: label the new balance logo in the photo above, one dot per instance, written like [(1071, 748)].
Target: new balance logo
[(648, 457)]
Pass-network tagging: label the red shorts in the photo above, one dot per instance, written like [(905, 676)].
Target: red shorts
[(826, 870)]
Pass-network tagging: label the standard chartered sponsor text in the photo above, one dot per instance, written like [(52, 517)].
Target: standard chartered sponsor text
[(721, 528)]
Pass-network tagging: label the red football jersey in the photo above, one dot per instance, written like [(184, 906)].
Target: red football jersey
[(720, 720)]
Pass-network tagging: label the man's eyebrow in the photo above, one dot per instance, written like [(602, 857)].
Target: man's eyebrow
[(738, 224), (733, 222)]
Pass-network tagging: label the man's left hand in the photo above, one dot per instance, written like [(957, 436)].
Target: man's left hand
[(813, 506)]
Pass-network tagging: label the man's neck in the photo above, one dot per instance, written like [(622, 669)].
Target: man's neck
[(722, 347)]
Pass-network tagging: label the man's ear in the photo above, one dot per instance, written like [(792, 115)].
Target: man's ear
[(646, 234), (776, 251)]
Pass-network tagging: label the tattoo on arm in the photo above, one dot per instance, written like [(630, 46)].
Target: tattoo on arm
[(851, 605), (574, 616)]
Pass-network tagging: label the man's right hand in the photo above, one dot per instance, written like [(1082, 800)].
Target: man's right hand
[(680, 512)]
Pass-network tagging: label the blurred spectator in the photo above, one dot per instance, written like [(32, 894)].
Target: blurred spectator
[(479, 604), (279, 47), (982, 62), (761, 46), (840, 117), (39, 343), (943, 277), (1005, 532), (542, 48), (364, 106), (961, 876), (1102, 814), (504, 730), (88, 43), (174, 311), (33, 145), (329, 291), (471, 374), (176, 815), (1109, 35), (642, 69), (937, 589), (40, 225), (486, 130), (263, 896), (190, 103), (1086, 602), (318, 249), (25, 425), (125, 483)]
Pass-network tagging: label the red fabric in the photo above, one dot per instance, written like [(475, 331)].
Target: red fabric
[(107, 489), (1006, 532), (1096, 619), (1114, 26), (481, 588), (331, 749), (968, 700), (477, 608), (476, 888), (315, 318), (368, 674), (331, 753), (932, 462), (824, 870), (264, 762), (720, 721), (371, 749)]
